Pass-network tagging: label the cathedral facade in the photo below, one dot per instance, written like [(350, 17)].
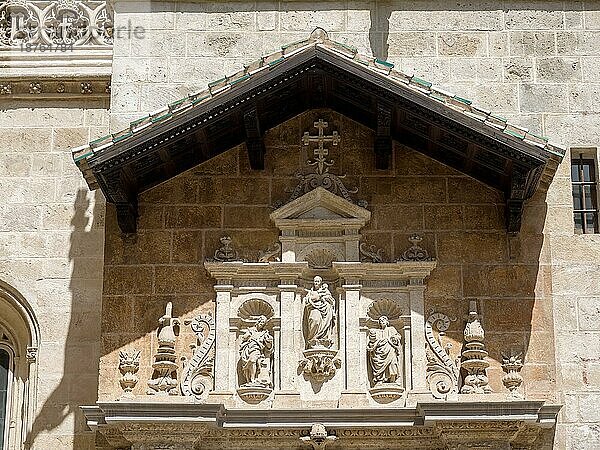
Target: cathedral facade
[(295, 225)]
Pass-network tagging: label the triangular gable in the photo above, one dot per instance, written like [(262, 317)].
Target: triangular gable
[(310, 74), (320, 205)]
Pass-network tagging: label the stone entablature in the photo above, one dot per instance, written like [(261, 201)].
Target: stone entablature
[(426, 425)]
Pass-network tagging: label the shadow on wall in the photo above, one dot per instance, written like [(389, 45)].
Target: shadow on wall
[(79, 383)]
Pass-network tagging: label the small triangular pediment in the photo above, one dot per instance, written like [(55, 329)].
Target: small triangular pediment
[(320, 204)]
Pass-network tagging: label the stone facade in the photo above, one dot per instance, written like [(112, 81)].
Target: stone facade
[(536, 63)]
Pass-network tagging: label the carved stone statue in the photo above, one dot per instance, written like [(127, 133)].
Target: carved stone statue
[(384, 352), (320, 315), (255, 355)]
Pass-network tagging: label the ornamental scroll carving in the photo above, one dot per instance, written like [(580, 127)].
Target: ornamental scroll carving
[(198, 374), (61, 22), (442, 371)]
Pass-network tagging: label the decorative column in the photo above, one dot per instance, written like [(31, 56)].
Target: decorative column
[(287, 358), (416, 291), (222, 350), (407, 358), (355, 378)]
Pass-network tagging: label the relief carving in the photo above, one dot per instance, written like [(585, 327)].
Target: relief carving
[(319, 325), (61, 22), (318, 438), (442, 371), (198, 374), (255, 352), (415, 251), (385, 353)]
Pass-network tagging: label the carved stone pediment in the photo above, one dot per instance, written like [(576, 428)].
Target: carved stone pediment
[(320, 204), (320, 227)]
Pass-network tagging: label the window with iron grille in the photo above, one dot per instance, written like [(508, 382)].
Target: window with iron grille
[(585, 194)]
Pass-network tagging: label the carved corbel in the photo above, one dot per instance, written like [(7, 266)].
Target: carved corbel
[(516, 198), (254, 140), (120, 189), (383, 138)]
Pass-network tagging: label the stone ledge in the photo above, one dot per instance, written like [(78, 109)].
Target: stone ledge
[(428, 425)]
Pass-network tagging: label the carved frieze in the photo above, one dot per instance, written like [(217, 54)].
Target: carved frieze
[(59, 22)]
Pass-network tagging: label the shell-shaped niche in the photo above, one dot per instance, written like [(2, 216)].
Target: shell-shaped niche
[(384, 307), (253, 308)]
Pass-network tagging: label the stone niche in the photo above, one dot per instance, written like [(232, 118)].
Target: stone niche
[(311, 324)]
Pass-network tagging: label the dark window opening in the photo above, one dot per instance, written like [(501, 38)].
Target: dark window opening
[(585, 195), (4, 380)]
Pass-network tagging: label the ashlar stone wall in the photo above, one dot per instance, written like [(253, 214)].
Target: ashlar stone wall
[(51, 252), (535, 62), (461, 220)]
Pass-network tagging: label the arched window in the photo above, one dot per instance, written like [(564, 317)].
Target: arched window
[(19, 341), (6, 380)]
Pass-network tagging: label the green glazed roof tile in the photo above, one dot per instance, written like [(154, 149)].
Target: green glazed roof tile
[(421, 82), (382, 67)]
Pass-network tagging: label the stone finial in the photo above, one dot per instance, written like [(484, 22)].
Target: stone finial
[(415, 252), (512, 365), (164, 378), (474, 354), (319, 35), (226, 252), (129, 364), (318, 437)]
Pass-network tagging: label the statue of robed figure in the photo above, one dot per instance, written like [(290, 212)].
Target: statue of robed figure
[(319, 315), (384, 353), (256, 347)]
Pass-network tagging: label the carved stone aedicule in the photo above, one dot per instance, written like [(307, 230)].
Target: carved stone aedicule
[(198, 373), (442, 370), (473, 361), (320, 227), (164, 377), (57, 23)]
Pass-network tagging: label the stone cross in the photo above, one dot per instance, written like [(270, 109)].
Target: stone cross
[(321, 152)]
